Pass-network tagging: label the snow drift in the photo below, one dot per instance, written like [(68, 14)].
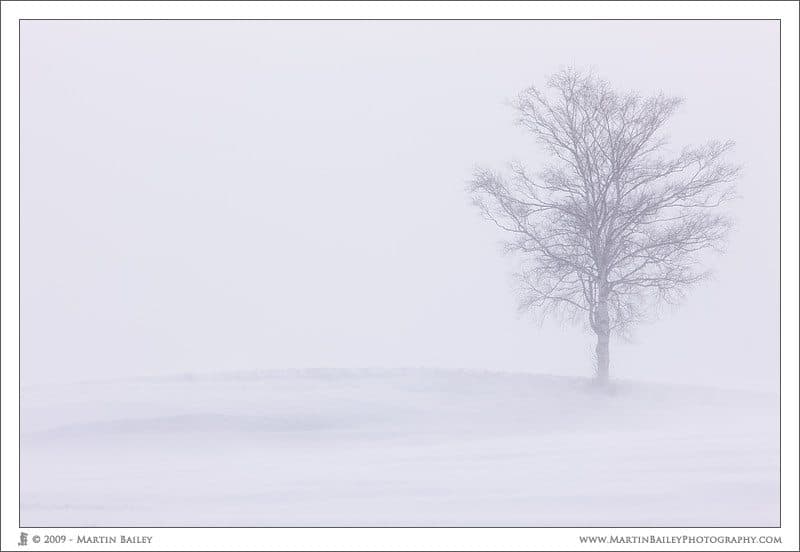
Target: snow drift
[(396, 448)]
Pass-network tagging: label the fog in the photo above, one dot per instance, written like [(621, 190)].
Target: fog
[(257, 234), (211, 197)]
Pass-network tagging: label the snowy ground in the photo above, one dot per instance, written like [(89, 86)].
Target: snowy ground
[(397, 448)]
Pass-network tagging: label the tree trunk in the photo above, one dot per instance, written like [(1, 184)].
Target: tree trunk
[(603, 332), (601, 375)]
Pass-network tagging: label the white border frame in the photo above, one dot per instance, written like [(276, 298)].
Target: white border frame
[(399, 538)]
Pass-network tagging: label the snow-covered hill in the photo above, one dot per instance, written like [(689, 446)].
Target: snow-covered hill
[(396, 448)]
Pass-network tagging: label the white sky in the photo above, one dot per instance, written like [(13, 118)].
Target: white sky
[(211, 196)]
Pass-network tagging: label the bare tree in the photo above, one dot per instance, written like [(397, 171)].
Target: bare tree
[(615, 224)]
